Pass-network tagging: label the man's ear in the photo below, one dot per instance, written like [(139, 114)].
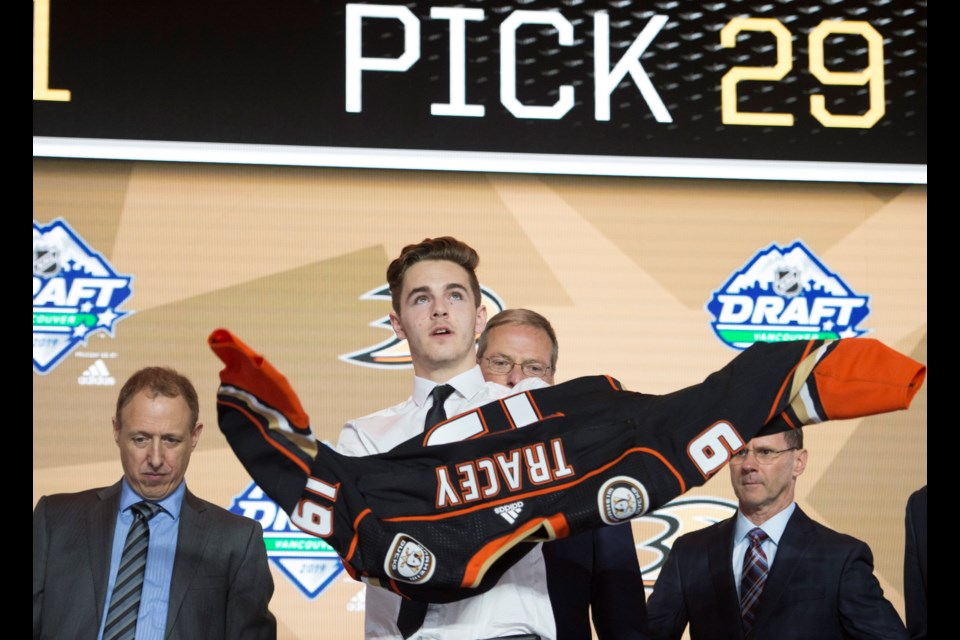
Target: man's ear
[(481, 320), (195, 435), (397, 326), (800, 463)]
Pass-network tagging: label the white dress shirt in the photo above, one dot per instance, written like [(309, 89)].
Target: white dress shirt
[(519, 602), (773, 528)]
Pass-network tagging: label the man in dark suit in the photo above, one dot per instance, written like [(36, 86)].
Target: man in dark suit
[(592, 574), (915, 565), (206, 570), (820, 583)]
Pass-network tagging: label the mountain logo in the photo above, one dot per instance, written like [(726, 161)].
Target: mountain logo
[(76, 294), (785, 293), (306, 560)]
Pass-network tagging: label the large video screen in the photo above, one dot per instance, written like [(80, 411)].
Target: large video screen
[(652, 179), (824, 91)]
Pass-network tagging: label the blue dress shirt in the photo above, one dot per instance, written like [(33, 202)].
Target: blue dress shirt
[(152, 620)]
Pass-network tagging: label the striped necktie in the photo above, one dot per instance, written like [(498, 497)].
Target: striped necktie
[(125, 602), (755, 570)]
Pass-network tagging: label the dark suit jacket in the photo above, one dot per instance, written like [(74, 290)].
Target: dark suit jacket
[(915, 565), (597, 572), (220, 588), (821, 587)]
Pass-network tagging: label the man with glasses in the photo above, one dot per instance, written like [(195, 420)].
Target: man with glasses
[(518, 344), (595, 573), (770, 571)]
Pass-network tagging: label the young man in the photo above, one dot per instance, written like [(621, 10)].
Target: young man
[(436, 309), (595, 573), (798, 581), (206, 572)]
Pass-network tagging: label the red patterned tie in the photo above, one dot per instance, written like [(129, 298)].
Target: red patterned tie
[(755, 571)]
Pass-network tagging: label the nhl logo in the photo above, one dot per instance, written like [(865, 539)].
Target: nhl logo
[(46, 260), (621, 499), (787, 281), (409, 561)]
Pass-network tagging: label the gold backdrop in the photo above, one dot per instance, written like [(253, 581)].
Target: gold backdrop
[(623, 267)]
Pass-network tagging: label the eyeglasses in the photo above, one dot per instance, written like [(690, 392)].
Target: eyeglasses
[(763, 456), (502, 366)]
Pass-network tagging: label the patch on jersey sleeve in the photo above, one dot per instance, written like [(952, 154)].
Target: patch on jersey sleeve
[(622, 498), (409, 561)]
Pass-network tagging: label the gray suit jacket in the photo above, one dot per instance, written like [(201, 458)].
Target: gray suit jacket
[(220, 588)]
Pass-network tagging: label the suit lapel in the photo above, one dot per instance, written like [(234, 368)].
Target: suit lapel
[(101, 523), (191, 542), (797, 538), (721, 573)]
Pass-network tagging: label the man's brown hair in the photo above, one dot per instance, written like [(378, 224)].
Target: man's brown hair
[(523, 317), (443, 248), (794, 437), (158, 381)]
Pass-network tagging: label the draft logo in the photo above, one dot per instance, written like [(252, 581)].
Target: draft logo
[(308, 561), (394, 353), (782, 294), (76, 294)]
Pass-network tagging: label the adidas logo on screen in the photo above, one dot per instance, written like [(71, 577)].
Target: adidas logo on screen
[(97, 375)]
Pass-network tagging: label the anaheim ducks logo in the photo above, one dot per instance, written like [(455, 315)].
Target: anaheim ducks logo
[(655, 533), (622, 498), (394, 353), (409, 561)]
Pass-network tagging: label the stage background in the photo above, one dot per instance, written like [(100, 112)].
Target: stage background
[(623, 267), (615, 164)]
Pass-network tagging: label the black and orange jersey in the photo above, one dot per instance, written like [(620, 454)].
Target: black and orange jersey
[(443, 522)]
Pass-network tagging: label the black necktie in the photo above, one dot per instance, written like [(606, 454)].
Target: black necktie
[(437, 413), (412, 612), (125, 601)]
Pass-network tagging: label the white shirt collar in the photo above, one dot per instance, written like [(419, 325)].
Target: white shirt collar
[(773, 527), (467, 384)]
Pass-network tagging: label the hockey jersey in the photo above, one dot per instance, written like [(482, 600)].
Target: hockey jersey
[(443, 522)]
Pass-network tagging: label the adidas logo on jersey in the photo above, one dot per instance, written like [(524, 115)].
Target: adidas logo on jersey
[(510, 512), (97, 375)]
